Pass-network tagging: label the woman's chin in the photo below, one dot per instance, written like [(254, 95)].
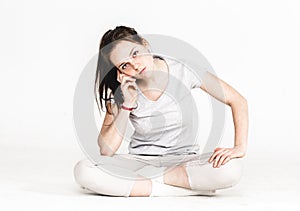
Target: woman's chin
[(143, 76)]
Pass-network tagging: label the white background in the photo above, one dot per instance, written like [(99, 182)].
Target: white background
[(252, 45)]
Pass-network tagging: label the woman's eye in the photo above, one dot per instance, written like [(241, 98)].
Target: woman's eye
[(135, 53), (124, 66)]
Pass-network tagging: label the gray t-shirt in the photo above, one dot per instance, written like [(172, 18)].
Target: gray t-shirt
[(168, 125)]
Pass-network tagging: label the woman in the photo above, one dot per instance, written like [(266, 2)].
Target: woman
[(134, 85)]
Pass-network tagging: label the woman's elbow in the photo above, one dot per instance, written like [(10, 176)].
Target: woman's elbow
[(237, 100), (243, 100), (106, 150)]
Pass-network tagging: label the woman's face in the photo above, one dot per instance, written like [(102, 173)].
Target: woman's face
[(132, 59)]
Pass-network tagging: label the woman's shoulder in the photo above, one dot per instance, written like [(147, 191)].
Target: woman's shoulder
[(166, 62)]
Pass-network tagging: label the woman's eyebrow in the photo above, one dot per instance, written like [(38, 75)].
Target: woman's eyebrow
[(129, 55)]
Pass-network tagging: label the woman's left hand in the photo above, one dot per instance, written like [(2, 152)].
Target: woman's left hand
[(223, 155)]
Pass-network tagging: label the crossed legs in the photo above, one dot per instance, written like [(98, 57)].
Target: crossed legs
[(194, 177), (175, 177)]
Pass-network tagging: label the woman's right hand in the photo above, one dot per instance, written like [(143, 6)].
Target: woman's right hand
[(129, 90)]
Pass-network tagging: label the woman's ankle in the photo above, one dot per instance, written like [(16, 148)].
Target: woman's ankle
[(141, 188)]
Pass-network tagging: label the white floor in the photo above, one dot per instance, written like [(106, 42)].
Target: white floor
[(40, 178)]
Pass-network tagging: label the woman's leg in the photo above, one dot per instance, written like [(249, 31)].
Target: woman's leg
[(93, 178), (177, 176), (168, 180), (141, 188), (205, 177), (196, 173)]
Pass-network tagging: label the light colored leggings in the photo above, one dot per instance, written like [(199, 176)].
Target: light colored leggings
[(116, 175)]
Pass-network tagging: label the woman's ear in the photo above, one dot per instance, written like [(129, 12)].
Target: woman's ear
[(146, 44)]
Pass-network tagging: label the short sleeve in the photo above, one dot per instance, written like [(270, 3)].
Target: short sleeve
[(193, 79)]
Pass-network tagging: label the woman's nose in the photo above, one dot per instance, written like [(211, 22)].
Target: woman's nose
[(135, 64)]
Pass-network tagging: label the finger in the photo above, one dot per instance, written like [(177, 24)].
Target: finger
[(226, 160), (213, 156), (224, 156), (216, 153), (126, 79), (129, 78), (126, 83), (130, 84), (216, 161), (220, 155)]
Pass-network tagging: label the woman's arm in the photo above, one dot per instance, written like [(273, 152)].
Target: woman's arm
[(239, 107), (115, 121), (113, 130)]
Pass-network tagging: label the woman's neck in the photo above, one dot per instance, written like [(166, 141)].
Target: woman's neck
[(158, 78)]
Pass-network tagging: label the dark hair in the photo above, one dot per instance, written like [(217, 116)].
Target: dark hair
[(106, 85)]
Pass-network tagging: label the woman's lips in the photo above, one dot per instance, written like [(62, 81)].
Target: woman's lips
[(143, 70)]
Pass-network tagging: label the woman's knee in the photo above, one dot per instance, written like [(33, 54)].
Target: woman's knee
[(80, 171), (232, 172), (206, 177), (95, 179)]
